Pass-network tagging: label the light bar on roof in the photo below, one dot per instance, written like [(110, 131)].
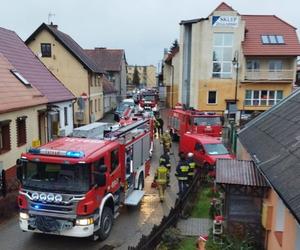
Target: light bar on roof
[(45, 151)]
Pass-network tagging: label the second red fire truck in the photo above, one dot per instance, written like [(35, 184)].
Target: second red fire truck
[(75, 186), (184, 120)]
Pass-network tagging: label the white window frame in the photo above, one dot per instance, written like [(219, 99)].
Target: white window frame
[(259, 100), (216, 102), (221, 62)]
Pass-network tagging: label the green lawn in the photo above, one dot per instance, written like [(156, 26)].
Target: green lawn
[(201, 208), (188, 243)]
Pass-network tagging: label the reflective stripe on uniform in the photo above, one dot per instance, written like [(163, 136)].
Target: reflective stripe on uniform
[(192, 165), (181, 178), (184, 168)]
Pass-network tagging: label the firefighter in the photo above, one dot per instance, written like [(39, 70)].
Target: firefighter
[(182, 171), (192, 167), (156, 127), (161, 179), (166, 140), (165, 161), (160, 126)]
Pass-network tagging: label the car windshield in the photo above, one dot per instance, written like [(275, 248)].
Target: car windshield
[(56, 177), (128, 103), (122, 107), (149, 98), (215, 149), (206, 121)]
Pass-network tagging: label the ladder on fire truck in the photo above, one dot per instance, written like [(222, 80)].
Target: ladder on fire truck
[(133, 130)]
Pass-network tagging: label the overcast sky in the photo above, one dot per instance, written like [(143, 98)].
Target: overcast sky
[(142, 27)]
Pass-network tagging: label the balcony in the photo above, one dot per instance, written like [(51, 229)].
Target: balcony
[(267, 75)]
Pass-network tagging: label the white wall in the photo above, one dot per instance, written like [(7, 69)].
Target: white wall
[(70, 126)]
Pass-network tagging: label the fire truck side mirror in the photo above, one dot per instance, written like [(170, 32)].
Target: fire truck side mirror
[(19, 170)]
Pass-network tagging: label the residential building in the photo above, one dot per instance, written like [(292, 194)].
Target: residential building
[(236, 63), (272, 141), (147, 75), (56, 119), (110, 96), (73, 67), (170, 72), (113, 61), (33, 103)]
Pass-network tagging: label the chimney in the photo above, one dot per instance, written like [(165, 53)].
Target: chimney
[(53, 25)]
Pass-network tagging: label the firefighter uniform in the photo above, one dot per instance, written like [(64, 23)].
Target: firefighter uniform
[(161, 178), (192, 165), (156, 127), (164, 160), (166, 141), (182, 171)]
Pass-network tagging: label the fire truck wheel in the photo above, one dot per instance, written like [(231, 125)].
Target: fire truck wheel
[(141, 182), (107, 220)]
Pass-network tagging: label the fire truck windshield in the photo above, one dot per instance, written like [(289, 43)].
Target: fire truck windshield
[(215, 149), (56, 177), (206, 121), (149, 98)]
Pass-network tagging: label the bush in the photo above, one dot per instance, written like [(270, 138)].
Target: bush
[(170, 238)]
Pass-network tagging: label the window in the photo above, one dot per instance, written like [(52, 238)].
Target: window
[(21, 131), (253, 65), (212, 97), (262, 97), (275, 65), (95, 106), (99, 105), (98, 164), (222, 55), (4, 136), (114, 160), (66, 115), (46, 49), (20, 77), (198, 147), (272, 39)]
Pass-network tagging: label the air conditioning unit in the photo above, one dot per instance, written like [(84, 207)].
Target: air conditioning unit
[(62, 132), (79, 115)]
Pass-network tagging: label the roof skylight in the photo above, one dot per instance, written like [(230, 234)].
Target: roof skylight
[(20, 77), (272, 39)]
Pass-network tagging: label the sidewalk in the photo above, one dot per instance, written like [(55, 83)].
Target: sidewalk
[(194, 226)]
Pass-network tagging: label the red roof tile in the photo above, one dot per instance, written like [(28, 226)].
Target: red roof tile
[(224, 7), (25, 62), (108, 87), (107, 59), (14, 94), (257, 25)]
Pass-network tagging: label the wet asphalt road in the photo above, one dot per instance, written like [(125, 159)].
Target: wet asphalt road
[(127, 230)]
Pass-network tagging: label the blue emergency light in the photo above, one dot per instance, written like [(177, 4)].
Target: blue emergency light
[(45, 151)]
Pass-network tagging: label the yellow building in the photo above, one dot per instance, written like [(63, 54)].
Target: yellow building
[(170, 73), (236, 63), (73, 67), (147, 75)]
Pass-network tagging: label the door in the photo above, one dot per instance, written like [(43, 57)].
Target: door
[(199, 153), (129, 169), (42, 127), (115, 170)]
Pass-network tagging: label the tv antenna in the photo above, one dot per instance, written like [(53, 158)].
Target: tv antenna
[(50, 15)]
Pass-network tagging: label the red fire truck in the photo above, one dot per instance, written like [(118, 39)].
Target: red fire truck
[(181, 121), (75, 186), (149, 99)]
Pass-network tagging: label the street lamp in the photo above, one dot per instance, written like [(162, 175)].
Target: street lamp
[(235, 63)]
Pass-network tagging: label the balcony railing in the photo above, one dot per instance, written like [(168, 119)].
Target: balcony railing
[(270, 75)]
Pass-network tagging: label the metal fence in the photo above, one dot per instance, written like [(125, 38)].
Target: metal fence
[(153, 239)]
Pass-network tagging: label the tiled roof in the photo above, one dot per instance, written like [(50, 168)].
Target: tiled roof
[(257, 25), (238, 172), (25, 62), (107, 59), (14, 94), (68, 42), (108, 87), (273, 141), (224, 7), (172, 54)]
